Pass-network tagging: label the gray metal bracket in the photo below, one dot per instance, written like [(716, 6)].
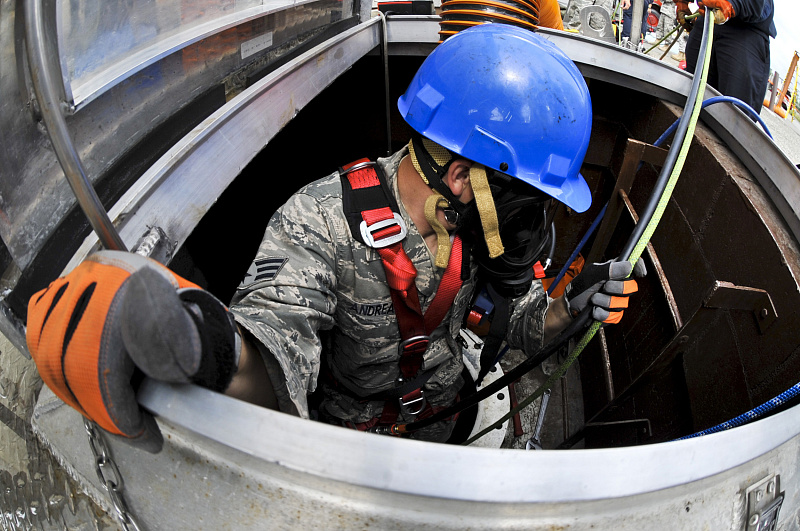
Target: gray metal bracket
[(598, 16), (156, 245), (764, 500), (725, 295)]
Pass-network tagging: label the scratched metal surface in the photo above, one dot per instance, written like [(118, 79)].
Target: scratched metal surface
[(36, 492)]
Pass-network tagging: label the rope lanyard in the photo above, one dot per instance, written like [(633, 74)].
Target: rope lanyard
[(676, 157)]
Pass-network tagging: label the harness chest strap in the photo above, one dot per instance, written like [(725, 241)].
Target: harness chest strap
[(374, 220)]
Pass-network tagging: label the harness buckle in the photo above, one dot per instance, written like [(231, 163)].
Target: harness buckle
[(416, 400), (413, 344), (358, 166), (368, 231)]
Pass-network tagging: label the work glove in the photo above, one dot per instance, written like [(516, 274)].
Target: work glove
[(681, 12), (604, 287), (723, 10), (116, 316)]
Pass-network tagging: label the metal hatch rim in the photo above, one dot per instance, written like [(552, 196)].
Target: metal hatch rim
[(97, 84), (438, 470)]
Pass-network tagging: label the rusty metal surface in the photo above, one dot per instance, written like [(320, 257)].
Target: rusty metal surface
[(657, 270), (731, 266), (728, 296), (635, 154)]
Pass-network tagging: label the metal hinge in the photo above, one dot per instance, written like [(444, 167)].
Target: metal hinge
[(764, 501)]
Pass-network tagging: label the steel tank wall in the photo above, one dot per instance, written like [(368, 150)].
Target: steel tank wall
[(228, 464), (130, 80)]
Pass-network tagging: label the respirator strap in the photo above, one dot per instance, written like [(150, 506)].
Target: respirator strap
[(424, 155), (496, 335), (486, 209)]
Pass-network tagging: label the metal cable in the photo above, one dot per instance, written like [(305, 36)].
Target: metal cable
[(45, 85)]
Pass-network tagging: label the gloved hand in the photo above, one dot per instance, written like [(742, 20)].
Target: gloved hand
[(723, 10), (603, 286), (116, 312), (681, 12)]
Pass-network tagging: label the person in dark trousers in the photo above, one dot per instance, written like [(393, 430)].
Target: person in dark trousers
[(627, 18), (740, 52)]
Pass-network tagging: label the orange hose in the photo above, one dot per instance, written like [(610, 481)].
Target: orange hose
[(491, 4), (532, 9), (503, 18)]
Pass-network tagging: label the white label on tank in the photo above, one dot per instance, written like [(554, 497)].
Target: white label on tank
[(262, 42)]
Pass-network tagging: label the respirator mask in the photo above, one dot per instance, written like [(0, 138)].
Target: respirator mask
[(525, 217)]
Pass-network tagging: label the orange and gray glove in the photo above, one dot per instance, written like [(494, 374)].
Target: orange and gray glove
[(116, 316), (723, 10), (605, 287), (681, 12)]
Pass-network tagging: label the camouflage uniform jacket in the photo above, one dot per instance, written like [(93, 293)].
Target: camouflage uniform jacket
[(314, 292)]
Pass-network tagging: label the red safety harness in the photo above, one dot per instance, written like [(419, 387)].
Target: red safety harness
[(375, 221)]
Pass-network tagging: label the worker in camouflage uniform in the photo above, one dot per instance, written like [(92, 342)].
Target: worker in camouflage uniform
[(666, 19), (319, 326)]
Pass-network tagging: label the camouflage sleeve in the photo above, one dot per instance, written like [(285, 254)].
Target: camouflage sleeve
[(288, 296), (526, 324)]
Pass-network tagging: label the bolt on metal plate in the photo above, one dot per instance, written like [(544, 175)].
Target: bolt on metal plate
[(764, 500)]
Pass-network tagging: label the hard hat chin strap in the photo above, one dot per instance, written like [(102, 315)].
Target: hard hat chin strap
[(432, 162)]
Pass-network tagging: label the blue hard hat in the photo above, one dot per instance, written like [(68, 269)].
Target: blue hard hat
[(511, 100)]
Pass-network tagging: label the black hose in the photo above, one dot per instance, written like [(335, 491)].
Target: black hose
[(529, 364), (672, 156)]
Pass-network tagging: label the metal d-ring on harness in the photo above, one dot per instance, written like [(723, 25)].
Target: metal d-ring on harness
[(632, 251)]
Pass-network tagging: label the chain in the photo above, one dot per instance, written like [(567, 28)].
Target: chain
[(113, 484)]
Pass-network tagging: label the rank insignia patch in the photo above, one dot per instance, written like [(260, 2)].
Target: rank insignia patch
[(263, 269)]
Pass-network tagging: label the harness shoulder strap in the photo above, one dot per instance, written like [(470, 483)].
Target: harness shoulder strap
[(366, 195), (375, 221)]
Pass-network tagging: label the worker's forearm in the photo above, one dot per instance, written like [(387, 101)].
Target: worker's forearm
[(251, 382), (556, 319)]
